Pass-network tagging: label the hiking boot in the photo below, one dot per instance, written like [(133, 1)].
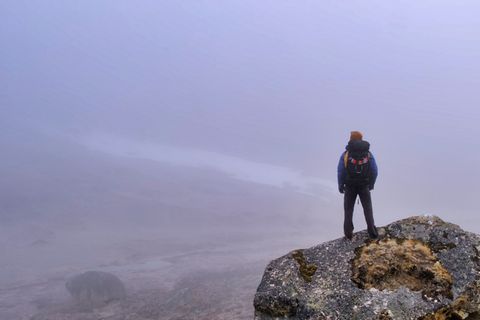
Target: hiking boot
[(373, 233)]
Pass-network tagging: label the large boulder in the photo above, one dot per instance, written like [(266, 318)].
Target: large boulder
[(95, 288), (420, 268)]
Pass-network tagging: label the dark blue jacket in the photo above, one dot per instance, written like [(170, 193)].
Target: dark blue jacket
[(342, 171)]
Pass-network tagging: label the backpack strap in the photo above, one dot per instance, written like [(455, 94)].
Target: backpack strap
[(345, 158)]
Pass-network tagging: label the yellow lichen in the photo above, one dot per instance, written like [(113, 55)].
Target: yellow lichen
[(452, 312), (392, 263), (306, 270)]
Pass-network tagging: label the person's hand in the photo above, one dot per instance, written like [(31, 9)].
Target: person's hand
[(341, 189)]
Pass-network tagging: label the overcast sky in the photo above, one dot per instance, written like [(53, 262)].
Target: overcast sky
[(268, 83)]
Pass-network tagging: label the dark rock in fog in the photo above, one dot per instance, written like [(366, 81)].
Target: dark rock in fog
[(95, 288), (420, 268)]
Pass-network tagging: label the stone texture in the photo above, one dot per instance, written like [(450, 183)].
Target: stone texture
[(420, 268), (95, 288)]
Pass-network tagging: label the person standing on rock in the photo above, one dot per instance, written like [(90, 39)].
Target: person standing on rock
[(357, 173)]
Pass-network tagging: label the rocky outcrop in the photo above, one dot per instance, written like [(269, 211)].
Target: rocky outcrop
[(420, 268), (95, 288)]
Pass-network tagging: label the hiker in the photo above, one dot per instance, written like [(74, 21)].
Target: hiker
[(357, 172)]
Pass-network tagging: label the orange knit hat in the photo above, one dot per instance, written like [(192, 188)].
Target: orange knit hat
[(356, 135)]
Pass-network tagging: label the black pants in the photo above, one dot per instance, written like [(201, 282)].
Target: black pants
[(351, 193)]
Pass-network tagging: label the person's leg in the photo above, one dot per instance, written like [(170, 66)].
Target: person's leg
[(366, 199), (348, 204)]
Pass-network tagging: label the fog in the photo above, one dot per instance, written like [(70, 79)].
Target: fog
[(184, 144)]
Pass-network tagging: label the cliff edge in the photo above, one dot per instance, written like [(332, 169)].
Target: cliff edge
[(420, 268)]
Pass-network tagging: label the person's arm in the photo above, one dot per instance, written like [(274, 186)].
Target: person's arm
[(341, 173), (373, 171)]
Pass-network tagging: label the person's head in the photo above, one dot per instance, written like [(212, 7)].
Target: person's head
[(356, 135)]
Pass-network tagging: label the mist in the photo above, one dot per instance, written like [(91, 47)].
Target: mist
[(180, 143)]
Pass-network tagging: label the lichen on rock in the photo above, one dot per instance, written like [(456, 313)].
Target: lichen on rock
[(392, 262), (466, 306), (306, 270), (385, 315), (422, 268)]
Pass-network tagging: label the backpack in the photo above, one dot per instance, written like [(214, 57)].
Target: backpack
[(357, 163)]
